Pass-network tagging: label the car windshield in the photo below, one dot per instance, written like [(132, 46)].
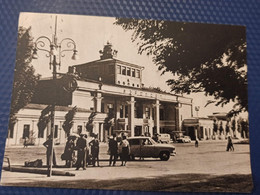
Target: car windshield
[(153, 142)]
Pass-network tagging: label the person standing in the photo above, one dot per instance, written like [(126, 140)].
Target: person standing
[(69, 151), (230, 144), (113, 147), (125, 150), (95, 150), (81, 146), (48, 145)]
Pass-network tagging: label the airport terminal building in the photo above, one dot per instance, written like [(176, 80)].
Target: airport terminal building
[(111, 98)]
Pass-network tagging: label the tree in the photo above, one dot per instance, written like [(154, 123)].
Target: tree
[(206, 58), (25, 79), (69, 120), (89, 125)]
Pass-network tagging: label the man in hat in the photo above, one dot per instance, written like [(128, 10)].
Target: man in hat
[(48, 145), (81, 145)]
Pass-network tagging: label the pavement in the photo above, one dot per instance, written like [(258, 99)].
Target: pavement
[(208, 158)]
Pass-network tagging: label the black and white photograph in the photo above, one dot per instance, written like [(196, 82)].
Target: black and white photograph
[(128, 104)]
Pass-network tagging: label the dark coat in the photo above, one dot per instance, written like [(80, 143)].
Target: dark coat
[(113, 147)]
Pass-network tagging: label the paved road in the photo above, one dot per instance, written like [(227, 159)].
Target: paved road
[(209, 158)]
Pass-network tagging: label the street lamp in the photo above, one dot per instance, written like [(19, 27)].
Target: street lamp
[(55, 51)]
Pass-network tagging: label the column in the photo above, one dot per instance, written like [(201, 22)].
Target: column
[(157, 116), (98, 100), (131, 115), (203, 134), (196, 132)]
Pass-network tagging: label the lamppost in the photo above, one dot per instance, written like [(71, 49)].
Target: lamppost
[(55, 51)]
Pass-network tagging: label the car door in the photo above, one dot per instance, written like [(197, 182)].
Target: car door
[(134, 147), (146, 148)]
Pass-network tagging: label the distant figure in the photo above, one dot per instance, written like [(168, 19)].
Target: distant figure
[(230, 144), (112, 147), (81, 146), (95, 150), (125, 150), (48, 144), (69, 151), (25, 143), (155, 137), (196, 143)]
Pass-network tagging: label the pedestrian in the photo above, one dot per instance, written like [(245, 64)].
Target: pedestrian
[(156, 137), (196, 143), (125, 150), (113, 148), (95, 150), (230, 144), (69, 151), (25, 143), (81, 146), (48, 145)]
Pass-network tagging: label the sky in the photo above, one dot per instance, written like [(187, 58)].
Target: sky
[(90, 34)]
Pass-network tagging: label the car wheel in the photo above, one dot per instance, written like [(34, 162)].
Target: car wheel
[(164, 156)]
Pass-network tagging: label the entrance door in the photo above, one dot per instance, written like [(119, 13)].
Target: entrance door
[(138, 130), (191, 131)]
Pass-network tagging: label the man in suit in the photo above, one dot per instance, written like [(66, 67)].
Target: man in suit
[(81, 145), (113, 147)]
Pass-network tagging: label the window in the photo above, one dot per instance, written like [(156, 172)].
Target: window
[(11, 132), (123, 70), (147, 113), (128, 71), (126, 111), (133, 84), (133, 72), (118, 69), (134, 142), (138, 73), (56, 130), (161, 114), (79, 129), (121, 112), (26, 131)]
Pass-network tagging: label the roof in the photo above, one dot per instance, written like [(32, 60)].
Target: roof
[(57, 108), (109, 60)]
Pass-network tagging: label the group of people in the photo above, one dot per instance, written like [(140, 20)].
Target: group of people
[(87, 153), (84, 156), (113, 150)]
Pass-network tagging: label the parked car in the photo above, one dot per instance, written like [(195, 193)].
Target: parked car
[(184, 139), (145, 147), (164, 138)]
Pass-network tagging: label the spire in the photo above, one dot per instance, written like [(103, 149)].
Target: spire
[(107, 52)]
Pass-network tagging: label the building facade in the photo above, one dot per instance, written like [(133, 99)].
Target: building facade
[(111, 94)]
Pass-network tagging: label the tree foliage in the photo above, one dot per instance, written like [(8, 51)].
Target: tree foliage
[(44, 120), (206, 58), (90, 125), (68, 123), (25, 79)]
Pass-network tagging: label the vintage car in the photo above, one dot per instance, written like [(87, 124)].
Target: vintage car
[(184, 139), (164, 138), (145, 147)]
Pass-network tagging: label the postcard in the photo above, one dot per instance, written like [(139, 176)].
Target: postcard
[(128, 104)]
